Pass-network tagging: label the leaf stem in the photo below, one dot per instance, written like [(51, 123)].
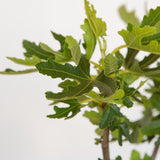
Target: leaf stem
[(89, 100), (97, 65), (101, 48), (117, 49), (120, 72)]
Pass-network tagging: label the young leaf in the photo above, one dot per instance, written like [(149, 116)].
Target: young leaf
[(128, 17), (74, 108), (74, 47), (127, 102), (64, 54), (97, 25), (99, 132), (135, 155), (116, 109), (60, 57), (152, 18), (134, 38), (93, 116), (135, 67), (152, 128), (92, 104), (111, 64), (125, 130), (120, 58), (27, 61), (106, 118), (33, 49), (117, 95), (12, 72), (118, 158), (106, 85), (120, 137), (146, 157), (89, 39), (154, 100)]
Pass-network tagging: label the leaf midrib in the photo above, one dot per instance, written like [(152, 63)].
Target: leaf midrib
[(73, 75), (38, 52)]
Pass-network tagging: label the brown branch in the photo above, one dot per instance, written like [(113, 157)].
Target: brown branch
[(155, 151), (105, 144)]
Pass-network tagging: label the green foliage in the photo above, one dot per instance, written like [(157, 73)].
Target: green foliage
[(27, 61), (89, 39), (111, 64), (110, 114), (33, 49), (152, 18), (112, 88), (152, 128), (97, 25), (74, 108), (74, 47), (9, 71), (154, 102), (93, 116), (136, 156), (128, 17), (134, 38)]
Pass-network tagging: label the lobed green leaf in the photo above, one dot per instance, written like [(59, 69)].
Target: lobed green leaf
[(56, 70), (152, 18), (74, 108), (97, 25), (128, 17), (33, 49), (134, 38)]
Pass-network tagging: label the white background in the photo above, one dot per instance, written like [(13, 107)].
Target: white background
[(25, 132)]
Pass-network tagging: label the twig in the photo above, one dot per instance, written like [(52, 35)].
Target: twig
[(105, 144), (155, 151)]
